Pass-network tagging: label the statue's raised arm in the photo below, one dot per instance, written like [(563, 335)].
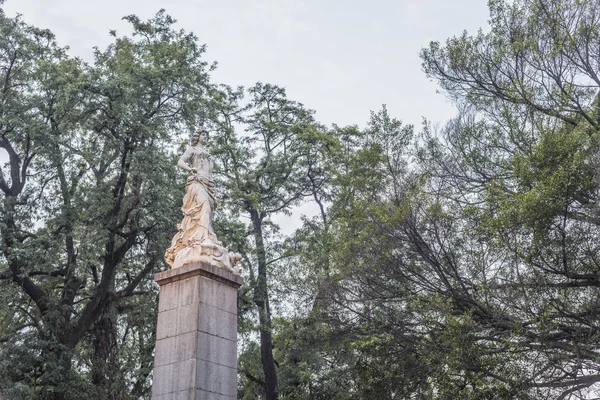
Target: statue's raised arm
[(195, 239)]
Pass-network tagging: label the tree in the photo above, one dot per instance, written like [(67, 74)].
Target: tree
[(325, 349), (483, 274), (89, 199), (539, 55), (534, 81), (478, 279), (269, 168)]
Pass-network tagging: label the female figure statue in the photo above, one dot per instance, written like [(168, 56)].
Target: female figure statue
[(196, 239)]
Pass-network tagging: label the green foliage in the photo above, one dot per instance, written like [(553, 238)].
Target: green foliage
[(460, 263), (278, 160), (556, 174), (466, 272), (539, 54), (89, 196)]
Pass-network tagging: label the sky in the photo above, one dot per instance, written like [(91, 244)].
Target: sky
[(341, 58)]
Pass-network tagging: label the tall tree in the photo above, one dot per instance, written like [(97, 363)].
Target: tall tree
[(269, 168), (482, 280), (534, 81), (88, 197), (477, 277), (319, 352)]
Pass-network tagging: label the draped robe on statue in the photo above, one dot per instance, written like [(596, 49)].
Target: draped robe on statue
[(195, 239)]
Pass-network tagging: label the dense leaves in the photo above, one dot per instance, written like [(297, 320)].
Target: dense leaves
[(87, 203), (471, 270), (440, 263)]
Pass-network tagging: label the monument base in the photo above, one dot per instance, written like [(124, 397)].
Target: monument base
[(207, 252), (196, 336)]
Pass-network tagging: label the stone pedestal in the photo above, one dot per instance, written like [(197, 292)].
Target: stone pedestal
[(196, 337)]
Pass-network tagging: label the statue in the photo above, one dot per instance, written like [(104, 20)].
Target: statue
[(195, 239)]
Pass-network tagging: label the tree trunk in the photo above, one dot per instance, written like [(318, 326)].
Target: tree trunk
[(261, 299), (65, 362), (105, 369)]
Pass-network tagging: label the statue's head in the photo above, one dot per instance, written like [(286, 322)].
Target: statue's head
[(199, 136)]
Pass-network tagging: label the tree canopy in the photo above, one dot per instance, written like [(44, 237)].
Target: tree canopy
[(442, 262)]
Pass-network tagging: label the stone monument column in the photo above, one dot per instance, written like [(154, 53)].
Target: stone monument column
[(196, 337)]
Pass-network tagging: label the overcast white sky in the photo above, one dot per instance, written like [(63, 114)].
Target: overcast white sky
[(341, 58)]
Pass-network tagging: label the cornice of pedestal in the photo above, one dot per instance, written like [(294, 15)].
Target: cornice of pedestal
[(199, 268)]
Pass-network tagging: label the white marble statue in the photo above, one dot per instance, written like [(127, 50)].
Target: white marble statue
[(195, 239)]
